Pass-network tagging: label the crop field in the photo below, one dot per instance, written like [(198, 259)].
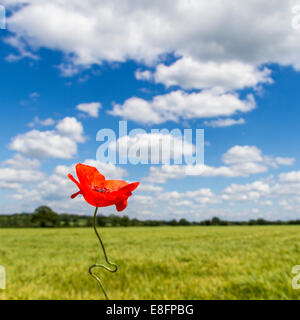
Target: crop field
[(247, 262)]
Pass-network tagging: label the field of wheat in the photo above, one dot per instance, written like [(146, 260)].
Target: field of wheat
[(247, 262)]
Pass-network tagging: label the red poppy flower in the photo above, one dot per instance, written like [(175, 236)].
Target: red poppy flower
[(99, 192)]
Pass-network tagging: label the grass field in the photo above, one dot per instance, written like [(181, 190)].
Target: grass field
[(154, 263)]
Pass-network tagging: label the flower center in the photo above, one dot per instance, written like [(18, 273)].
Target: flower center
[(102, 190)]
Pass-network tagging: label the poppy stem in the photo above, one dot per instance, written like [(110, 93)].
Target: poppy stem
[(114, 267)]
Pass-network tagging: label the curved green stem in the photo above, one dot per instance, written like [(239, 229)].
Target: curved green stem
[(113, 265)]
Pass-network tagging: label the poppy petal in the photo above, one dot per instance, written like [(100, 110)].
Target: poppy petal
[(114, 185), (74, 180), (129, 187), (74, 195), (121, 205), (89, 176)]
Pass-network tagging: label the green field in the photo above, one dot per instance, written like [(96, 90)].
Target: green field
[(154, 263)]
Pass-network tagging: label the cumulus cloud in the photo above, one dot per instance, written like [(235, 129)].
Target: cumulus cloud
[(59, 143), (9, 185), (284, 191), (290, 177), (44, 144), (153, 147), (242, 154), (166, 172), (189, 73), (149, 188), (240, 161), (145, 30), (246, 192), (224, 122), (18, 170), (20, 162), (71, 128), (92, 108), (181, 105), (19, 175)]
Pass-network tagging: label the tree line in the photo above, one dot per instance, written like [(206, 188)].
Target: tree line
[(44, 217)]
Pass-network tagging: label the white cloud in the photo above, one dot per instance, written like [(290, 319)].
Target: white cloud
[(165, 172), (72, 128), (47, 122), (284, 192), (148, 147), (241, 161), (42, 122), (224, 122), (92, 108), (205, 31), (241, 154), (10, 185), (19, 175), (21, 162), (267, 203), (290, 177), (18, 170), (178, 104), (203, 196), (285, 161), (189, 73), (246, 192), (143, 75), (68, 70), (149, 188), (44, 144), (248, 168), (34, 95), (23, 52), (59, 143)]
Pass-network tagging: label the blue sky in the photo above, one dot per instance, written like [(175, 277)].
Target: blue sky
[(144, 63)]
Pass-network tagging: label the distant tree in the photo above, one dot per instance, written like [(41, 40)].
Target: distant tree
[(215, 221), (206, 222), (115, 220), (261, 221), (125, 221), (45, 217), (101, 221), (173, 222), (184, 222), (135, 222), (224, 223)]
